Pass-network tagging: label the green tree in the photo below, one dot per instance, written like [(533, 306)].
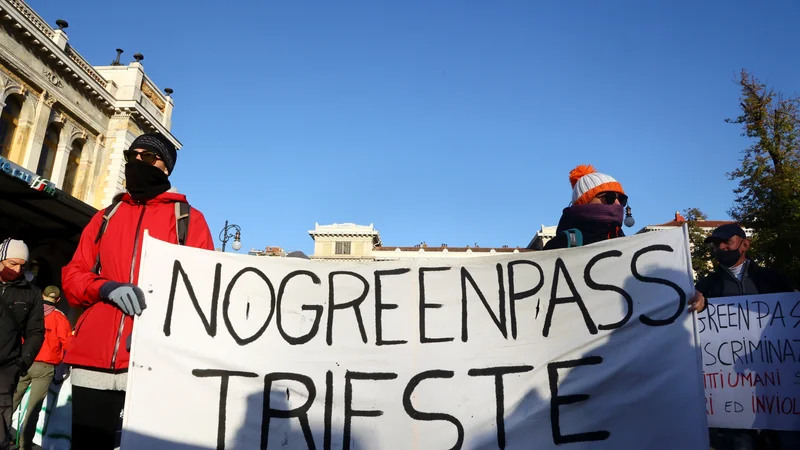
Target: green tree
[(701, 254), (768, 194)]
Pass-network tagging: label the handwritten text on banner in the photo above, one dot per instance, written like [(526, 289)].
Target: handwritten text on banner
[(591, 347), (751, 361)]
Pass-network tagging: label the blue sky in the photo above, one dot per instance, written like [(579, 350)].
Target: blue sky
[(443, 121)]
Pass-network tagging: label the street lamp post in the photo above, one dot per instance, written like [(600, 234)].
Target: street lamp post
[(225, 235)]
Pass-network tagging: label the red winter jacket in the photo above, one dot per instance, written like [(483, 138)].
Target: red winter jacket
[(57, 337), (103, 329)]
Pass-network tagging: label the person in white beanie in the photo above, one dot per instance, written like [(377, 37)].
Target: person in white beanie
[(21, 318), (595, 213)]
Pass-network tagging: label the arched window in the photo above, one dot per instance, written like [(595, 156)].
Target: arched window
[(48, 155), (71, 175), (9, 119)]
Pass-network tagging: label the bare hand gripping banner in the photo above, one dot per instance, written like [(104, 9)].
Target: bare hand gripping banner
[(588, 348)]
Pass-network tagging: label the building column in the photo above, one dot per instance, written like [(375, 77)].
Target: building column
[(167, 117), (61, 160), (41, 118), (95, 173), (84, 176)]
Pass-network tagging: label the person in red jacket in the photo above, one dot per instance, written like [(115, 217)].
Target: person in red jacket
[(102, 278), (57, 338)]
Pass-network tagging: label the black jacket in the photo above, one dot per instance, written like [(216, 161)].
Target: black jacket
[(21, 317), (756, 280)]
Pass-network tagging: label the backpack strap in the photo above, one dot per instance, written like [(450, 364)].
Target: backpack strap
[(574, 237), (107, 214), (182, 213)]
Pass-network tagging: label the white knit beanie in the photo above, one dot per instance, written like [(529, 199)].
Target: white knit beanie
[(12, 248), (587, 183)]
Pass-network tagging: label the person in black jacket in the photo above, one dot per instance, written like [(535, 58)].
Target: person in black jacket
[(595, 213), (735, 275), (21, 318)]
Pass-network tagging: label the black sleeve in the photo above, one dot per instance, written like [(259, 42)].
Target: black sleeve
[(34, 330), (703, 286)]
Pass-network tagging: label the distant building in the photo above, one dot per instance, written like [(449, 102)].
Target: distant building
[(268, 251), (542, 237), (344, 241), (348, 241), (706, 225)]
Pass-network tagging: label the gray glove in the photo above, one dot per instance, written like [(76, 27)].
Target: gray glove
[(128, 297)]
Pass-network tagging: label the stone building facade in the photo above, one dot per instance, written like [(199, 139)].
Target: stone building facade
[(64, 119), (63, 127)]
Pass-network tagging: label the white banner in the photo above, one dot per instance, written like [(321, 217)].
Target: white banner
[(590, 346), (751, 361)]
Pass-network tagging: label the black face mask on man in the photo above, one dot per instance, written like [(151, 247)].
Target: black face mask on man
[(728, 258), (145, 181)]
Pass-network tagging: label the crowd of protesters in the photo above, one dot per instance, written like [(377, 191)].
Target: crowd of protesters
[(101, 279)]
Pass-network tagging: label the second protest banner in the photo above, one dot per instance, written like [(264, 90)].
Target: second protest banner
[(591, 347), (751, 359)]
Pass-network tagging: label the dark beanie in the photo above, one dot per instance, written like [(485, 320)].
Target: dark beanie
[(160, 145)]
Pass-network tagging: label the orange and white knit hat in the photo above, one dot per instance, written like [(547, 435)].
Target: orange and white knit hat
[(587, 183)]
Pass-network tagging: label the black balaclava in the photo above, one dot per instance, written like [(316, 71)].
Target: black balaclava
[(145, 181)]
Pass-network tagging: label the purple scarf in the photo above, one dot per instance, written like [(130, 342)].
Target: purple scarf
[(596, 221), (48, 308), (592, 213)]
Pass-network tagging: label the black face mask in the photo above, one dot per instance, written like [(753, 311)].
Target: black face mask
[(727, 258), (144, 181)]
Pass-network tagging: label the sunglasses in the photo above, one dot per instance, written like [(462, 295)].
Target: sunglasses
[(610, 197), (146, 157)]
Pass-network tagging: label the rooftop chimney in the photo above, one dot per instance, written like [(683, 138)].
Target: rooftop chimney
[(62, 24), (116, 61), (138, 57), (169, 91)]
